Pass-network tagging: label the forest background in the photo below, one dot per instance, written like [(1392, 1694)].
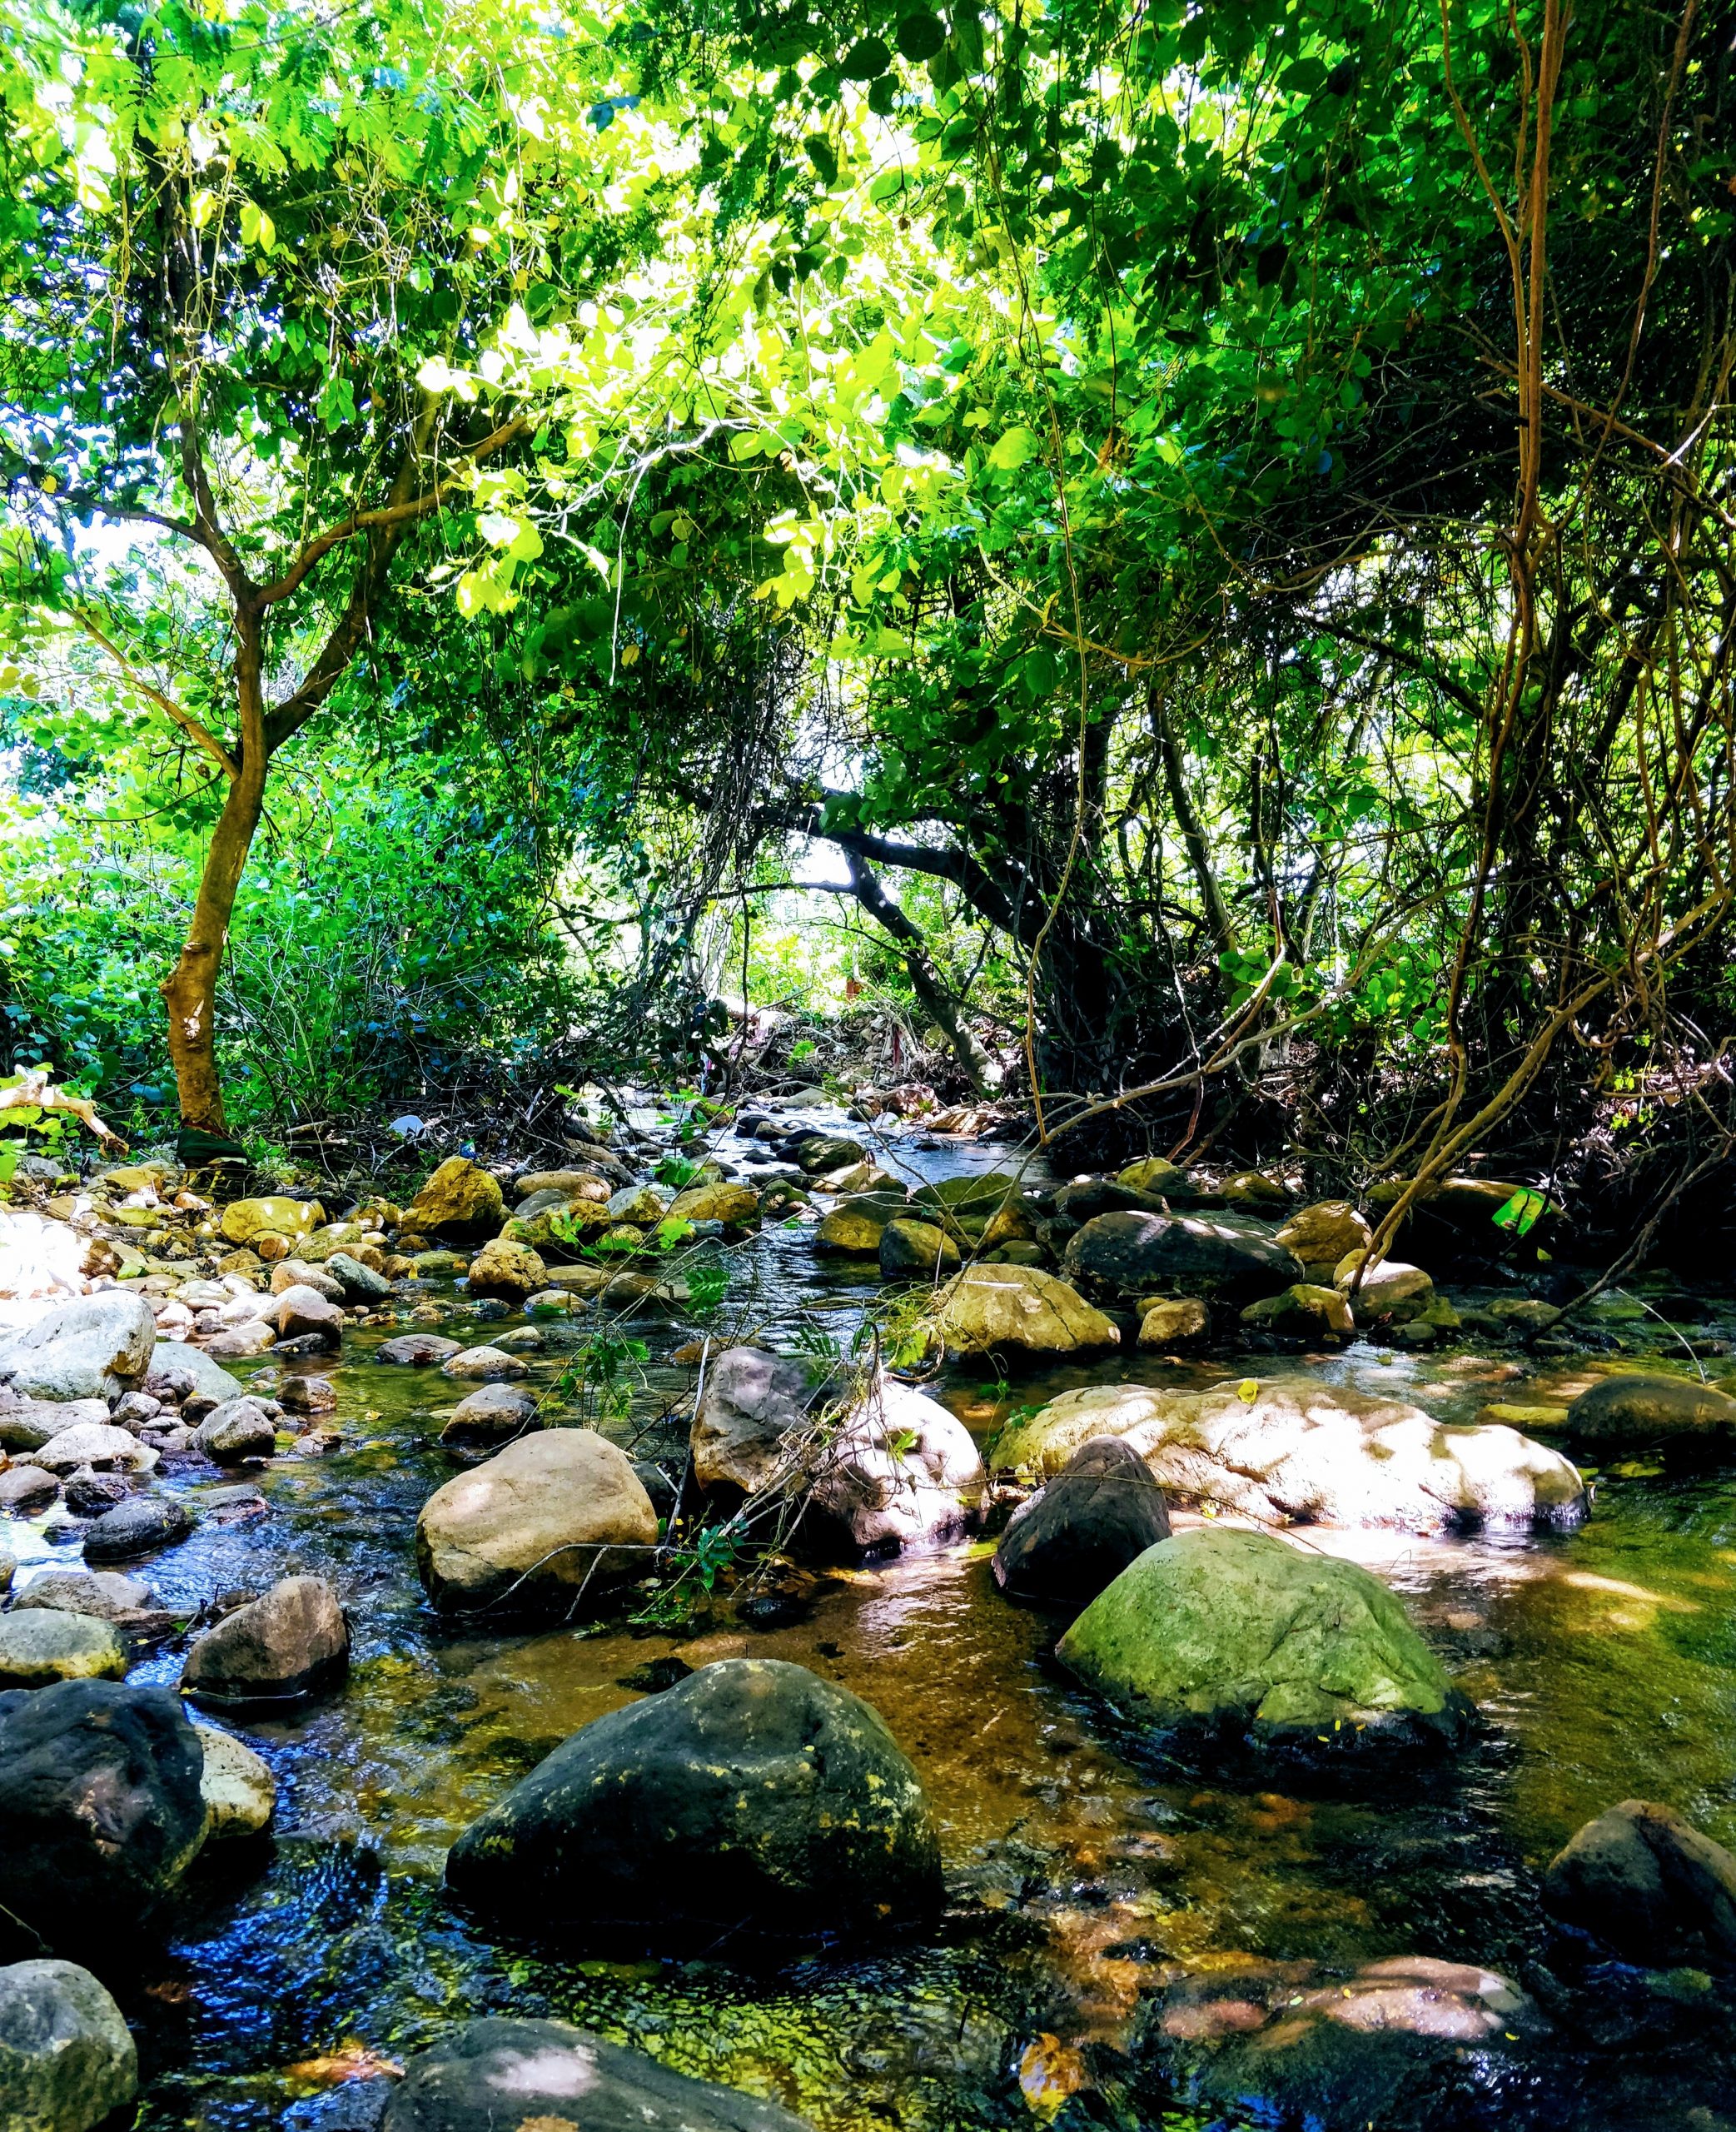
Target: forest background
[(1207, 529)]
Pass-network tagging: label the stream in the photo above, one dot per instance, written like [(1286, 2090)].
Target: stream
[(1082, 1871)]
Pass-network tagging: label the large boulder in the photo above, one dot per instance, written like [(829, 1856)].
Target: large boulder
[(1239, 1635), (1284, 1450), (899, 1473), (754, 1799), (510, 1271), (244, 1219), (67, 2059), (913, 1250), (1687, 1420), (1101, 1512), (94, 1348), (1133, 1253), (751, 1419), (553, 1516), (990, 1309), (461, 1201), (280, 1648), (98, 1444), (100, 1808), (1322, 1234), (503, 2076), (30, 1423), (38, 1645), (736, 1206), (1649, 1886), (239, 1429)]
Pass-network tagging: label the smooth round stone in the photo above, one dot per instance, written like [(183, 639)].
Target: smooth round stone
[(238, 1786), (67, 2060), (138, 1527), (39, 1645)]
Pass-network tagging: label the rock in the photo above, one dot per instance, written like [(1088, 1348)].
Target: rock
[(430, 1265), (917, 1250), (822, 1152), (489, 1363), (1326, 1233), (1238, 1634), (358, 1284), (306, 1394), (93, 1347), (752, 1798), (67, 2060), (38, 1645), (139, 1528), (569, 1184), (236, 1342), (1282, 1449), (510, 1271), (417, 1350), (1687, 1420), (751, 1419), (89, 1494), (100, 1810), (1391, 1291), (132, 1409), (1172, 1321), (900, 1472), (1088, 1197), (491, 1414), (236, 1785), (33, 1422), (1252, 1188), (278, 1649), (1101, 1512), (617, 1290), (297, 1273), (636, 1205), (1303, 1310), (27, 1488), (1649, 1886), (1523, 1313), (975, 1197), (853, 1229), (1131, 1254), (544, 2067), (301, 1312), (461, 1201), (1410, 2044), (1165, 1180), (103, 1447), (244, 1219), (736, 1206), (99, 1593), (241, 1428), (990, 1308), (554, 1517), (173, 1359)]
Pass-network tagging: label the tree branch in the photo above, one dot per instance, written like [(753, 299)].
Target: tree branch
[(184, 719)]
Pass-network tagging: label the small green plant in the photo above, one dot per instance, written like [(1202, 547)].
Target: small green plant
[(671, 1230), (707, 1284), (603, 1376), (678, 1171)]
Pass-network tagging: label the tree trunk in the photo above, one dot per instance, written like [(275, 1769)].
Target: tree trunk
[(926, 981)]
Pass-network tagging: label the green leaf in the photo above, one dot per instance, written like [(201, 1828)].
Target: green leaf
[(919, 37), (866, 58), (1012, 450)]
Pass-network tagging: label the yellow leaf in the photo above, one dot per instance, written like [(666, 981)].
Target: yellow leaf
[(1248, 1390), (1048, 2073)]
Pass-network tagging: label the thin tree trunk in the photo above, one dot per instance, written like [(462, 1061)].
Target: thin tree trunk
[(1193, 834), (926, 981)]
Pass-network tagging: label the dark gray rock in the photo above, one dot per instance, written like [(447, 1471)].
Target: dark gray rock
[(89, 1494), (1138, 1254), (417, 1350), (139, 1527), (1101, 1512), (278, 1649), (1649, 1886), (754, 1798)]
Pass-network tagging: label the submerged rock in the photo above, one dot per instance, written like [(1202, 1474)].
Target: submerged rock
[(751, 1417), (461, 1201), (991, 1308), (1131, 1254), (67, 2060), (900, 1472), (1690, 1420), (39, 1645), (93, 1347), (100, 1808), (546, 2075), (1234, 1634), (1649, 1886), (278, 1649), (554, 1517), (752, 1797), (1078, 1533)]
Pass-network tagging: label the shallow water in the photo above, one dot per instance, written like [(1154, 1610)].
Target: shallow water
[(1082, 1871)]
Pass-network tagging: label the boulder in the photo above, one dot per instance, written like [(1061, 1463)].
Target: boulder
[(33, 1422), (636, 1205), (510, 1271), (278, 1649), (543, 2074), (751, 1419), (753, 1798), (916, 1250), (1131, 1254), (140, 1527), (104, 1448), (569, 1183), (307, 1394), (67, 2059), (853, 1228), (1324, 1233), (736, 1206), (992, 1308), (1241, 1636), (484, 1363), (38, 1645), (236, 1785), (173, 1359), (1101, 1512), (301, 1312), (461, 1201), (1304, 1311), (27, 1488), (899, 1473), (1167, 1180), (355, 1281), (1687, 1420), (555, 1516), (1088, 1197), (244, 1219), (1649, 1886), (822, 1152), (1409, 2043), (100, 1594), (88, 1494), (1172, 1321), (417, 1350), (93, 1347), (1282, 1450), (236, 1342), (240, 1428), (100, 1809), (297, 1273), (491, 1414)]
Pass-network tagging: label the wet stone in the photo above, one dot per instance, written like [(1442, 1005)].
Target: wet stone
[(140, 1526)]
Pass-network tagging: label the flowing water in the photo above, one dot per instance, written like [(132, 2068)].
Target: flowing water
[(1083, 1872)]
